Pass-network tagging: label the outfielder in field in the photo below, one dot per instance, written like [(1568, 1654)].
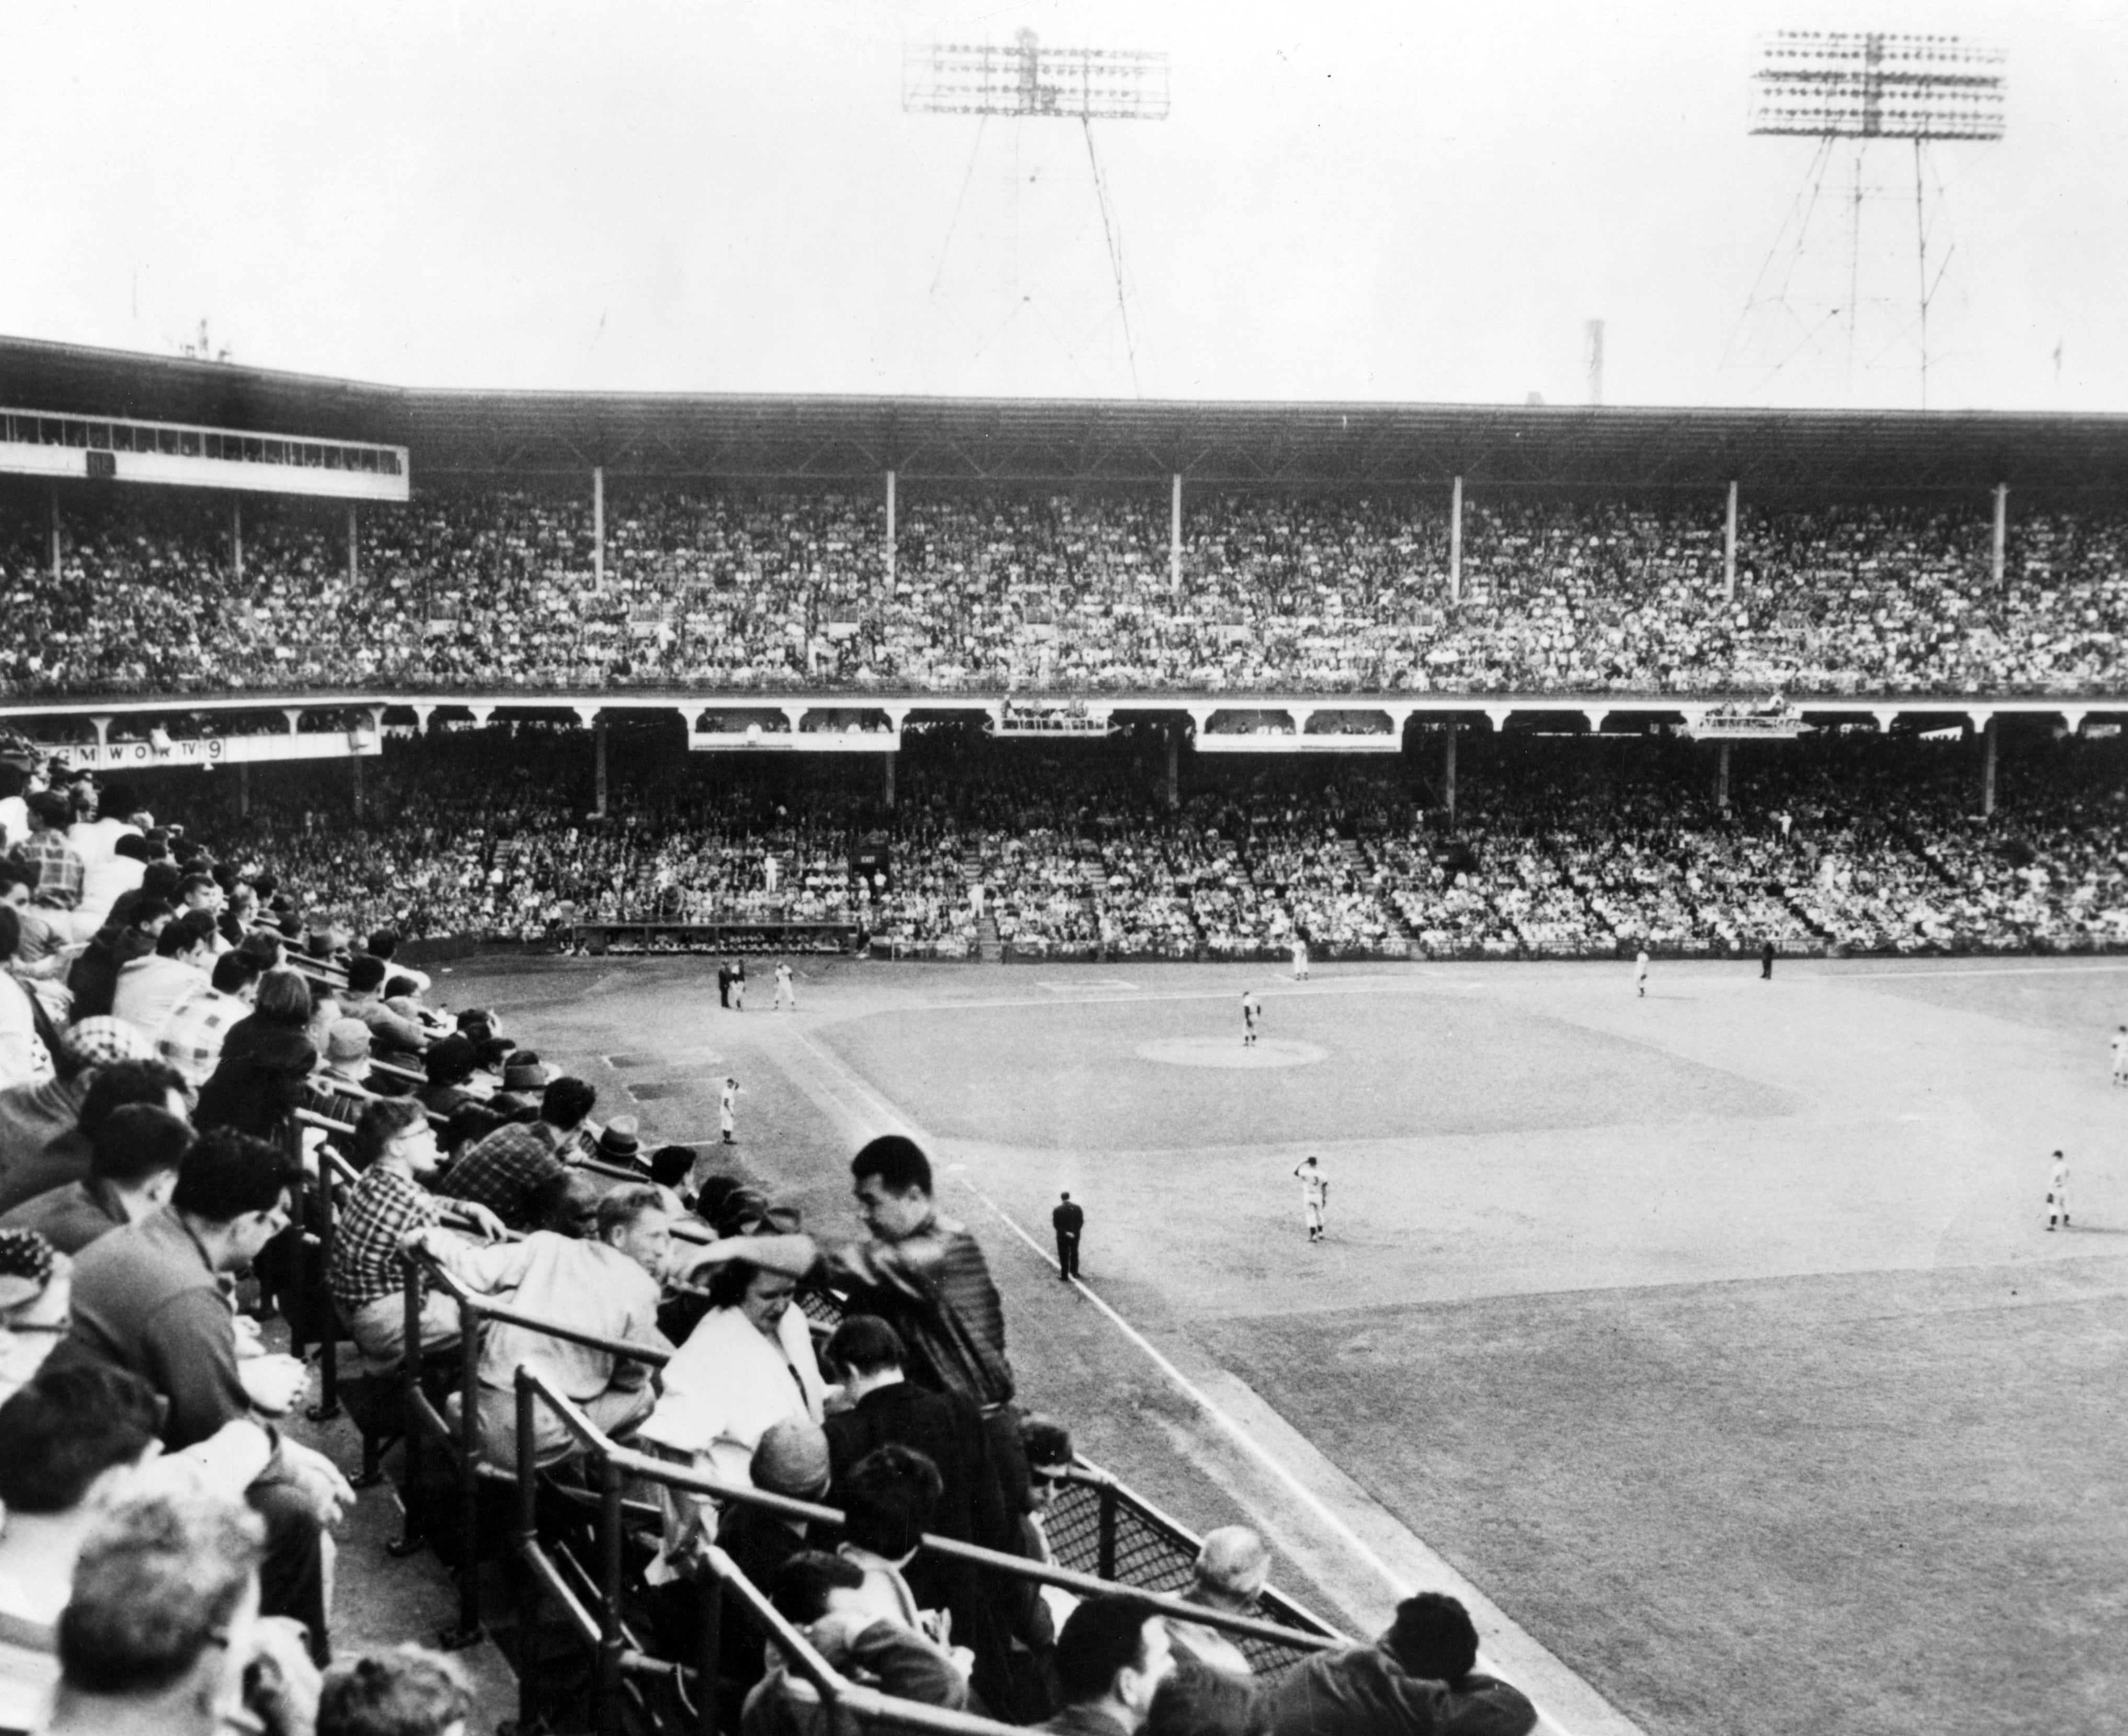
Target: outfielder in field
[(1251, 1017), (786, 996), (1314, 1195), (1640, 973), (2057, 1192)]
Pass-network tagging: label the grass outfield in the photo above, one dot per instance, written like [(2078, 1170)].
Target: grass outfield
[(1715, 1336)]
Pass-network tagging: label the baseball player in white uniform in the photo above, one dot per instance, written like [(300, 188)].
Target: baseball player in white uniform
[(1251, 1016), (1314, 1195), (2058, 1191), (1640, 973)]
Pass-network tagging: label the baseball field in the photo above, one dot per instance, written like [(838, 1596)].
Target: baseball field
[(1711, 1342)]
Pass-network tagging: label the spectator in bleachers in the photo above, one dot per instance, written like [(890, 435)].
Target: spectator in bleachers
[(26, 1057), (132, 1168), (1420, 1674), (1195, 1700), (256, 1092), (340, 1088), (119, 1069), (362, 999), (148, 1298), (60, 871), (405, 1692), (166, 1629), (597, 1268), (448, 1065), (1231, 1568), (191, 1037), (394, 1148), (747, 1365), (93, 977), (509, 1170), (822, 1597), (1111, 1659), (151, 987)]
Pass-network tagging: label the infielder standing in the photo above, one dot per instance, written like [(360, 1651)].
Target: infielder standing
[(728, 1111), (1314, 1195), (786, 995), (1251, 1016), (2058, 1191)]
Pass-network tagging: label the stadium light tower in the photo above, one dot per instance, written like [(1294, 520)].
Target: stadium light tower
[(1026, 81), (1855, 92)]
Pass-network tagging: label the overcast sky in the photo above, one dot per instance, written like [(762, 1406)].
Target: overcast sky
[(1420, 201)]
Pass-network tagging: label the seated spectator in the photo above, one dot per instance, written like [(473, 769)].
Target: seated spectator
[(149, 988), (619, 1144), (48, 854), (281, 1002), (889, 1500), (1232, 1567), (132, 1168), (507, 1171), (70, 1440), (36, 1291), (450, 1063), (340, 1086), (166, 1630), (1420, 1676), (192, 1037), (749, 1364), (597, 1268), (1047, 1446), (255, 1092), (363, 999), (92, 979), (1197, 1701), (394, 1148), (1111, 1659), (405, 1692), (127, 1077), (384, 943), (45, 950), (469, 1124), (822, 1597), (148, 1298), (26, 1057), (670, 1167)]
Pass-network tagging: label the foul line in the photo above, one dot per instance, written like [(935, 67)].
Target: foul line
[(1308, 1498)]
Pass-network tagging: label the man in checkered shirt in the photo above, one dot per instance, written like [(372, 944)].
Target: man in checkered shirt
[(394, 1147), (192, 1037), (506, 1171), (60, 872)]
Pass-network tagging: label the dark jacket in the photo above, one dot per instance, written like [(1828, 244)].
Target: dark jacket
[(70, 1217), (146, 1299), (1363, 1690), (92, 979)]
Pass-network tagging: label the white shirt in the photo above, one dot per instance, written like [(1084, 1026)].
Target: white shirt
[(149, 989), (727, 1385)]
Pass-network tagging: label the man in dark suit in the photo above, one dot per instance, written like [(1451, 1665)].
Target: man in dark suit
[(1069, 1220), (866, 1354)]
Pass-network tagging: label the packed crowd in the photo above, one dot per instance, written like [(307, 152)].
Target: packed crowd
[(187, 1068), (1319, 594), (1593, 847)]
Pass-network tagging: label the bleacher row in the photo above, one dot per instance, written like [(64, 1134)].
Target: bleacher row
[(739, 591), (563, 1542), (1591, 847)]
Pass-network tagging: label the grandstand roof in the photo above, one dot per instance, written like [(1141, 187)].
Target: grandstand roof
[(495, 435)]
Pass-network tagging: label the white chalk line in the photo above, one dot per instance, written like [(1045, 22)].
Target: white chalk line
[(1188, 1388)]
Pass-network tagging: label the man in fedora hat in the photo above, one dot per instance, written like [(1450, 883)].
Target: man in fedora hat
[(621, 1142)]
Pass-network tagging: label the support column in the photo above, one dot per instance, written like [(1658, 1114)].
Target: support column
[(1729, 548), (890, 530), (55, 534), (598, 764), (1174, 537), (353, 560), (1448, 773), (1721, 775), (1988, 737), (102, 725), (886, 780), (1455, 542), (2002, 529), (236, 537), (1174, 766), (598, 526), (244, 787), (356, 761)]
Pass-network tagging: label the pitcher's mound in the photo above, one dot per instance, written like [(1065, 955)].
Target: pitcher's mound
[(1227, 1052)]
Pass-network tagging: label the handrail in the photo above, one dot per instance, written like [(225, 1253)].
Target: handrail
[(617, 1661), (490, 1310)]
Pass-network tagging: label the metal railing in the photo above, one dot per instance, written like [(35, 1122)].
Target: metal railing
[(621, 1664)]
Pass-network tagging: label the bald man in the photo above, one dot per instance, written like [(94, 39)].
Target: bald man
[(1229, 1577)]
